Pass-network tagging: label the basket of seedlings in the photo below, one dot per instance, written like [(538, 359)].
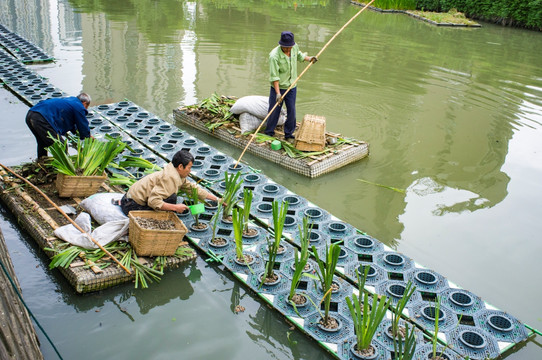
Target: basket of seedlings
[(83, 174), (155, 233)]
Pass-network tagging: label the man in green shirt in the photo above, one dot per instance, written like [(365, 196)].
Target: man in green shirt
[(282, 73)]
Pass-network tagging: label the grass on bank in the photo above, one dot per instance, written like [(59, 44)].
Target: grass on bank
[(451, 17)]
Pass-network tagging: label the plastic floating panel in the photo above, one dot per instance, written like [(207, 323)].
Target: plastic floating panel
[(474, 343), (315, 215), (428, 280), (501, 326), (461, 301), (313, 328), (338, 229), (288, 268), (282, 284), (286, 253), (375, 276), (227, 248), (257, 264), (395, 290), (424, 314), (295, 202), (364, 244), (393, 262), (21, 48), (345, 350), (271, 190), (282, 304)]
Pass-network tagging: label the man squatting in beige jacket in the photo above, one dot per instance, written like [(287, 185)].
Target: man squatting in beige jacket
[(158, 191)]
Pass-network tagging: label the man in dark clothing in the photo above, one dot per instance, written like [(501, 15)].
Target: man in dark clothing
[(57, 116)]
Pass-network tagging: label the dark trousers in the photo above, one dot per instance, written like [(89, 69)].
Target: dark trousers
[(128, 205), (41, 130), (272, 120)]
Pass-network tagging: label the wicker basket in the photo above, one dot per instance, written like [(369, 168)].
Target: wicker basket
[(311, 135), (78, 186), (147, 242)]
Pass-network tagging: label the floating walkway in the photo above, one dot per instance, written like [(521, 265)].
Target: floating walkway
[(468, 325)]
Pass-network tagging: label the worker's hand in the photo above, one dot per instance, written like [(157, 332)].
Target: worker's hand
[(279, 96), (179, 207), (313, 59)]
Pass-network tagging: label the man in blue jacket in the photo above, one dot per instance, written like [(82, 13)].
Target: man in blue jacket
[(57, 116)]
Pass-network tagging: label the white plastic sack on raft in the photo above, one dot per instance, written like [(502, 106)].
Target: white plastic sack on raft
[(103, 234), (256, 105), (101, 209)]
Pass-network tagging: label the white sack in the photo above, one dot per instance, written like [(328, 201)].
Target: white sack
[(257, 106), (104, 234), (248, 122), (101, 209)]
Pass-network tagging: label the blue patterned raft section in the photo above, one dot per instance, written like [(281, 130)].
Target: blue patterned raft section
[(25, 51)]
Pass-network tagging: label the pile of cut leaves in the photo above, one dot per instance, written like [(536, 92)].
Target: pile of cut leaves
[(144, 272), (215, 112)]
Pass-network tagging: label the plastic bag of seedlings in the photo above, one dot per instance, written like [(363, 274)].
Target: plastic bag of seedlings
[(103, 234), (101, 209), (256, 105)]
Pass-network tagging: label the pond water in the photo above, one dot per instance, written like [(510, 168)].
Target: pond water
[(453, 117)]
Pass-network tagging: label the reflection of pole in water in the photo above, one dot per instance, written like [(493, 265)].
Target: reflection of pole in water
[(188, 43), (235, 297)]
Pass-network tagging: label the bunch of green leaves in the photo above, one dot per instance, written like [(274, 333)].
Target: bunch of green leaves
[(399, 307), (279, 215), (63, 258), (233, 184), (237, 221), (366, 319), (217, 106), (404, 350), (214, 219), (119, 179), (138, 163), (300, 257), (247, 203), (325, 274), (143, 274), (92, 157)]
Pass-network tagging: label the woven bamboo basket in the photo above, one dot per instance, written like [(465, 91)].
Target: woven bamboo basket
[(311, 135), (78, 186), (147, 242)]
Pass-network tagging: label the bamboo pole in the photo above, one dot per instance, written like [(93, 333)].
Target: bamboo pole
[(67, 217), (299, 77)]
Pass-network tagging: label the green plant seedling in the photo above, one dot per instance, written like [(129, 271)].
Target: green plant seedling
[(237, 221), (366, 319), (247, 204), (279, 215), (300, 258), (233, 184), (404, 350), (325, 275), (399, 307)]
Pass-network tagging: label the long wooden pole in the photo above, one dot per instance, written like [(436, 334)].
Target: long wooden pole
[(299, 77), (67, 217)]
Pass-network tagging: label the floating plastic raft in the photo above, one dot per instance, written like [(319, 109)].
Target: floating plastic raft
[(22, 49)]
